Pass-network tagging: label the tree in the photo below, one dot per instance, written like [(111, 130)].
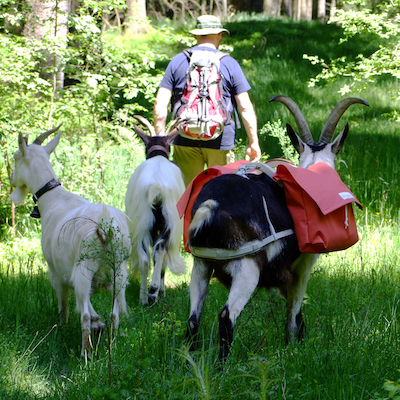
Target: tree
[(47, 21), (321, 10), (272, 7), (136, 10)]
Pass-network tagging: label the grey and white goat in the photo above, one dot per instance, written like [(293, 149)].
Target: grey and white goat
[(153, 190), (229, 214), (67, 221)]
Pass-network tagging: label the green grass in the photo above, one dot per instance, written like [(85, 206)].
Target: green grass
[(353, 298), (351, 310)]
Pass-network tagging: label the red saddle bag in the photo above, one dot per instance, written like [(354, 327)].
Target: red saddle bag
[(185, 204), (321, 207)]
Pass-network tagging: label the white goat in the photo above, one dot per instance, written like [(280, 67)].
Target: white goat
[(68, 220), (154, 188)]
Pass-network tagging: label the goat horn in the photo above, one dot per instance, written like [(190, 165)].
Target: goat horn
[(304, 130), (172, 125), (333, 119), (147, 123), (40, 139)]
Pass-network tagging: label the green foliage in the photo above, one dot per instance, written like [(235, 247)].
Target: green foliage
[(275, 129), (365, 68), (109, 250)]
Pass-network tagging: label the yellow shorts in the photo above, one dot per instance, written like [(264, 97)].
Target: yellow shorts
[(192, 160)]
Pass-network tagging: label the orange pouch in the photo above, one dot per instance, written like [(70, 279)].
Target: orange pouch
[(321, 207)]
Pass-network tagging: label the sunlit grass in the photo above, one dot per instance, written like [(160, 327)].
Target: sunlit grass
[(351, 311), (352, 303)]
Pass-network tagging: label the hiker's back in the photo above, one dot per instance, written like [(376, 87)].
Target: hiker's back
[(201, 107)]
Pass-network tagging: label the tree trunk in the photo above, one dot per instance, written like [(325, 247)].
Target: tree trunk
[(224, 6), (137, 22), (296, 10), (48, 20), (287, 8), (332, 8), (321, 13), (305, 11), (272, 7)]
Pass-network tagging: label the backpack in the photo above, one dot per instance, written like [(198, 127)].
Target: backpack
[(201, 108)]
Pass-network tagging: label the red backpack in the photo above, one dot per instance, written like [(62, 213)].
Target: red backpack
[(201, 107)]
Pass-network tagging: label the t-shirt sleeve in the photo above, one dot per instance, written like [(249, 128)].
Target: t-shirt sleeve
[(175, 73), (235, 79)]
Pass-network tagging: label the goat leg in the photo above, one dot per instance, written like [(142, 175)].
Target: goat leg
[(192, 333), (225, 334)]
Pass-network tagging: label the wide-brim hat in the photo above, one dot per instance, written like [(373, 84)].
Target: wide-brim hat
[(208, 25)]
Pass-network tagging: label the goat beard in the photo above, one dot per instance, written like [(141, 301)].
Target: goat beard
[(19, 194)]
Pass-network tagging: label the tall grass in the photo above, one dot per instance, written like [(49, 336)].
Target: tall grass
[(352, 346), (352, 304)]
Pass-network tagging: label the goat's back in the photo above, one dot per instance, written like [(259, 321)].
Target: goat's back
[(72, 220), (155, 182), (236, 212), (153, 179)]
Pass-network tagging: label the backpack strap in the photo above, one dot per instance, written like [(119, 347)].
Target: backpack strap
[(189, 51)]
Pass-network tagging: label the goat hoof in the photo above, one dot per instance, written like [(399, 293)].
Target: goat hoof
[(153, 291), (152, 298)]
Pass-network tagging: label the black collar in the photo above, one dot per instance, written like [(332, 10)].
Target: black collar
[(157, 150), (47, 187)]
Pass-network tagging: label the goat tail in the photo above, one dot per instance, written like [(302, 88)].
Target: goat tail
[(175, 262), (104, 232), (154, 194), (202, 217)]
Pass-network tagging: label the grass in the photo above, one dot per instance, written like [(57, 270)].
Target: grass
[(353, 298), (351, 310)]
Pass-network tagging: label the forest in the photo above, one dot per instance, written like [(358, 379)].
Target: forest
[(92, 66)]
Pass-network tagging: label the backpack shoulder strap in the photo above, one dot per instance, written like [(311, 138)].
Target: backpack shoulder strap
[(188, 53), (221, 54)]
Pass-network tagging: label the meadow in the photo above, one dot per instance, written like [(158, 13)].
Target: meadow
[(352, 305)]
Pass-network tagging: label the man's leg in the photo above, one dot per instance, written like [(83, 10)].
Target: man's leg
[(190, 160), (218, 157)]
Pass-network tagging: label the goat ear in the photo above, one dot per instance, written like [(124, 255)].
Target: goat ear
[(52, 144), (339, 141), (142, 135), (297, 143), (22, 143)]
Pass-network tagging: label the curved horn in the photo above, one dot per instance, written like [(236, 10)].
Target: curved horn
[(334, 117), (304, 130), (172, 125), (147, 123), (40, 139)]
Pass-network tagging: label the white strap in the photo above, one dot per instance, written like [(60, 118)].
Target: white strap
[(246, 249)]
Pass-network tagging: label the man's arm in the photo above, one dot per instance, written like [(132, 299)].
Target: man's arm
[(161, 110), (249, 119)]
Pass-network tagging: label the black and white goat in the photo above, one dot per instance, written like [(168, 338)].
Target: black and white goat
[(229, 214), (154, 188), (68, 221)]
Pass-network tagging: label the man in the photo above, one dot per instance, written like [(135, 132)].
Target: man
[(191, 155)]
